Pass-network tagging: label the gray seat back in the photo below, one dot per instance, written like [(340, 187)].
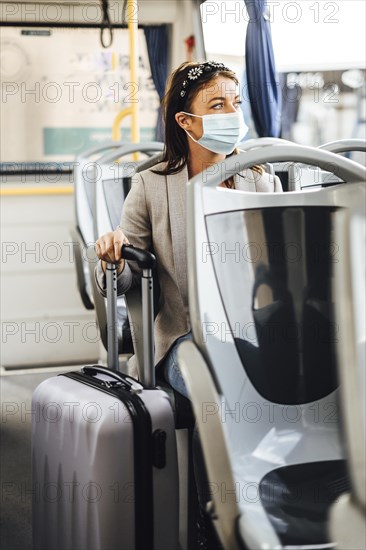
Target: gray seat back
[(85, 174), (110, 195), (354, 148), (261, 308)]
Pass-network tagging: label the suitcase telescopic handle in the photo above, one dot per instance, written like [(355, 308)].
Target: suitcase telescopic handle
[(144, 259)]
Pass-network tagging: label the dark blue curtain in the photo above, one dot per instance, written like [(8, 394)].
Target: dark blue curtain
[(263, 87), (157, 46)]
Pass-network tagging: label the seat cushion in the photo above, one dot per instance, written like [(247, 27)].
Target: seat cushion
[(297, 499)]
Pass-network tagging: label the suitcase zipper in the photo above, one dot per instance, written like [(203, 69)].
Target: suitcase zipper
[(120, 380)]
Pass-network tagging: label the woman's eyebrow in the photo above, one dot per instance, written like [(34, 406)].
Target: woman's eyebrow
[(222, 98), (217, 99)]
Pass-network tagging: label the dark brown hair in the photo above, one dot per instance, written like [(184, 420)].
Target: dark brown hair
[(176, 142)]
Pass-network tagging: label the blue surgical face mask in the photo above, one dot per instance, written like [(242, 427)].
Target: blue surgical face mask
[(221, 132)]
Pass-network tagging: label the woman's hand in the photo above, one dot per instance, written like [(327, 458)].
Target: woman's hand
[(109, 249)]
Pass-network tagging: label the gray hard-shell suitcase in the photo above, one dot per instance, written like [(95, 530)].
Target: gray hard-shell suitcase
[(104, 457)]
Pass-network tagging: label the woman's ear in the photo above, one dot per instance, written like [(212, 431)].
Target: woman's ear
[(183, 120)]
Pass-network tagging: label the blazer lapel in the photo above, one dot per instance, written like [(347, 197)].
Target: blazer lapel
[(176, 190)]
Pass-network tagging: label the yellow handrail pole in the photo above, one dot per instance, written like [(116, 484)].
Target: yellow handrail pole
[(114, 61), (132, 20), (133, 109)]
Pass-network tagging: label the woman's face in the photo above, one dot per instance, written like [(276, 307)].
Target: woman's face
[(219, 95)]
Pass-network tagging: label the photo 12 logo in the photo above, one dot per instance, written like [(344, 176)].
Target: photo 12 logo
[(272, 10)]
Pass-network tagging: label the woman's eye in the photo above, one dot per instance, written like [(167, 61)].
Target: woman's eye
[(218, 106), (237, 104)]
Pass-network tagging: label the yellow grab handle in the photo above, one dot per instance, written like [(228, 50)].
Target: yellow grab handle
[(117, 122)]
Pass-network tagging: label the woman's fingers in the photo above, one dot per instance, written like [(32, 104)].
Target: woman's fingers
[(105, 249), (119, 240), (109, 246)]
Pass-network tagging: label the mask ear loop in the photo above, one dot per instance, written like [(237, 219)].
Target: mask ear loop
[(193, 139), (186, 131), (191, 114)]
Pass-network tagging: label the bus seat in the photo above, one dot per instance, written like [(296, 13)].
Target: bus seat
[(344, 145), (348, 514), (82, 233), (293, 176), (307, 177), (257, 143), (262, 303), (86, 174), (111, 189), (349, 147), (82, 268)]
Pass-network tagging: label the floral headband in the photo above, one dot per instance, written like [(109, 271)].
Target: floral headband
[(196, 72)]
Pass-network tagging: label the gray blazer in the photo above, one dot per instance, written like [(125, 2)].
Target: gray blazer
[(154, 216)]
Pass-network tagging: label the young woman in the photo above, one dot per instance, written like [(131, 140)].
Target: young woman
[(203, 124)]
